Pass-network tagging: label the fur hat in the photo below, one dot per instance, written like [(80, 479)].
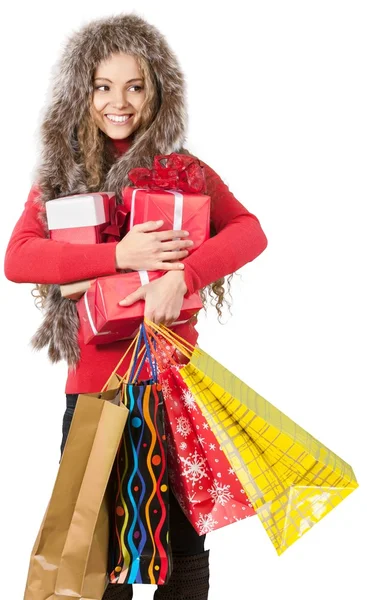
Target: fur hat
[(60, 172)]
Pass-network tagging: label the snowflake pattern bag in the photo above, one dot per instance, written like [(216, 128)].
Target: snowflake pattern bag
[(203, 481)]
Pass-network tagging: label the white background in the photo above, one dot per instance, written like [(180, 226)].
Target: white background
[(277, 104)]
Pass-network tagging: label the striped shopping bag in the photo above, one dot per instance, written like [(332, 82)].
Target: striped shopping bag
[(139, 548)]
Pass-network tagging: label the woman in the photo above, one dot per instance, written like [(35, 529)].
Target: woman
[(118, 100)]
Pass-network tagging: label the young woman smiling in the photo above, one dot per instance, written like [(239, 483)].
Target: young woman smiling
[(119, 100)]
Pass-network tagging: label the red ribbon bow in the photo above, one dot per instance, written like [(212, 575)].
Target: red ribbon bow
[(180, 172), (112, 231)]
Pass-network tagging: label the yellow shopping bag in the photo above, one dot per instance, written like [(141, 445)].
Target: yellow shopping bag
[(291, 478)]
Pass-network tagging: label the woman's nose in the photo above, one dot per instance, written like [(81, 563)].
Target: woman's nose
[(119, 100)]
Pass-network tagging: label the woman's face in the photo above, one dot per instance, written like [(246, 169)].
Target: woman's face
[(118, 91)]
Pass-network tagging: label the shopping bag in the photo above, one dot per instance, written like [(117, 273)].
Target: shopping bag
[(200, 475), (201, 478), (291, 478), (140, 550), (69, 556)]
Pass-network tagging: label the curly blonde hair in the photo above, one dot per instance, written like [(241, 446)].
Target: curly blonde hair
[(97, 156)]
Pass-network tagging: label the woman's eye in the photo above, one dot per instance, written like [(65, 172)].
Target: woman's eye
[(99, 87)]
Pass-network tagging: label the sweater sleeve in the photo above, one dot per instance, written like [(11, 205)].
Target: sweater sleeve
[(239, 237), (31, 257)]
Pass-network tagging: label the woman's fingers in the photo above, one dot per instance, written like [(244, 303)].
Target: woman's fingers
[(167, 266), (171, 234), (172, 255), (139, 294), (176, 245), (160, 319), (148, 226)]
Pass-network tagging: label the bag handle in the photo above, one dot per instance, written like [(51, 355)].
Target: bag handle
[(153, 329), (133, 343), (150, 351), (135, 371), (166, 335), (153, 342), (135, 357), (173, 338), (168, 339)]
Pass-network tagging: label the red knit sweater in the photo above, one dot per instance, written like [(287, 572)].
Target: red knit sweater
[(32, 257)]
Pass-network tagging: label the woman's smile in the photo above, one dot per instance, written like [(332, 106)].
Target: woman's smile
[(118, 120)]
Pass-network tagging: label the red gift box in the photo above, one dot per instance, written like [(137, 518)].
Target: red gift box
[(202, 479), (178, 211), (83, 218), (102, 319)]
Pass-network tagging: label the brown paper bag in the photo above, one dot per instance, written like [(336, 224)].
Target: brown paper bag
[(69, 557)]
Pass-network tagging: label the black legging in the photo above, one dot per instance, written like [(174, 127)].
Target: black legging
[(184, 539)]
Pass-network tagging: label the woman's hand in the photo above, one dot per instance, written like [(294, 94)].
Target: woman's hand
[(163, 298), (144, 248)]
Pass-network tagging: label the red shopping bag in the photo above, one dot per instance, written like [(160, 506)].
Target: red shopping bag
[(200, 475), (203, 481)]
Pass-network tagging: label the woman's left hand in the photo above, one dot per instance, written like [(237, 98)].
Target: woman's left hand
[(163, 298)]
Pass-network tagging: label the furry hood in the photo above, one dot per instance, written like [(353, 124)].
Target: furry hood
[(60, 172)]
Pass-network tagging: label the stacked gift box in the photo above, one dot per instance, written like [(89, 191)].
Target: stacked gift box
[(174, 193)]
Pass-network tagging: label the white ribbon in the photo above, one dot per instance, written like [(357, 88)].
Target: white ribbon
[(144, 277), (90, 318), (91, 322), (177, 208)]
